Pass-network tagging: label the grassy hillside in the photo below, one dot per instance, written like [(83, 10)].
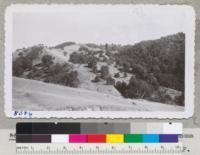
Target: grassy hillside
[(37, 95), (152, 70)]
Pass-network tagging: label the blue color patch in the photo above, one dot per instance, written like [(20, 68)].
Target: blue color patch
[(151, 138)]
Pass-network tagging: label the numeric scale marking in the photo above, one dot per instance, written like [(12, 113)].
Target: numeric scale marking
[(99, 149)]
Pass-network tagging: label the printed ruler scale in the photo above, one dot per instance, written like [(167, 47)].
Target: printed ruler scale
[(99, 149)]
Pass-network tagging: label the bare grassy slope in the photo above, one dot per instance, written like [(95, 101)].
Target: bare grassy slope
[(36, 95)]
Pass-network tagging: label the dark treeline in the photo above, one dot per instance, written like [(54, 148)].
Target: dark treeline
[(154, 63)]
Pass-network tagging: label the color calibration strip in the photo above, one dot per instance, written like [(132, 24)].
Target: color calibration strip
[(98, 132), (98, 138)]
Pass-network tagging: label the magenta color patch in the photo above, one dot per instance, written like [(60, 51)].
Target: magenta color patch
[(77, 138)]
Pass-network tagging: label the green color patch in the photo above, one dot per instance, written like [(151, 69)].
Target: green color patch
[(133, 138)]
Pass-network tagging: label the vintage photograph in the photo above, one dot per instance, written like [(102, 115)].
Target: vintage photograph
[(112, 58)]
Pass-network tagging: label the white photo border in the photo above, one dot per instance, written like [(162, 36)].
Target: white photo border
[(189, 74)]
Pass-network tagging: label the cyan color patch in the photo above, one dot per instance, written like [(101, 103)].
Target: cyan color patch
[(151, 138)]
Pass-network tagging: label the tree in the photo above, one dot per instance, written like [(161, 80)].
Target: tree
[(155, 69), (138, 88), (20, 65), (145, 89), (47, 60), (104, 72), (62, 74), (78, 58), (110, 81), (133, 81), (132, 88), (122, 88), (92, 62), (55, 69), (74, 81), (126, 66), (67, 79), (153, 81), (139, 70)]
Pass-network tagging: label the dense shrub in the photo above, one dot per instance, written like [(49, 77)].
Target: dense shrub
[(47, 60), (110, 81), (92, 62), (78, 58), (136, 88), (20, 65), (151, 79), (169, 80), (139, 89), (139, 70), (59, 74), (104, 72), (122, 88), (34, 52)]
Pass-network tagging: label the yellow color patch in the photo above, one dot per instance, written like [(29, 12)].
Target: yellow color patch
[(114, 138)]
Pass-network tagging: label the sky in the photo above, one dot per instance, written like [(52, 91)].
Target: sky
[(119, 24)]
